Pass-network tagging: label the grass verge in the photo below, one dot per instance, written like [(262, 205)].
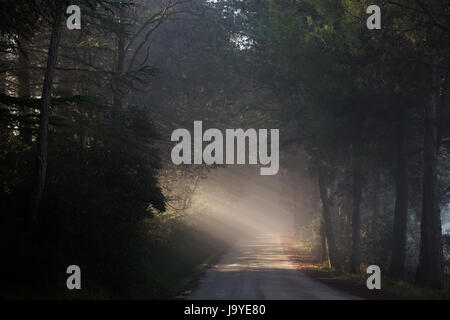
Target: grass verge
[(355, 284)]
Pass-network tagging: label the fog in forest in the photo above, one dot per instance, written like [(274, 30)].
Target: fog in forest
[(247, 200), (102, 169)]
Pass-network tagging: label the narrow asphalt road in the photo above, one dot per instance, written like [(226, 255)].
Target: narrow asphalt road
[(258, 269)]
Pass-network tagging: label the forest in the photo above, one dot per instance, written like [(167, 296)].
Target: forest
[(87, 115)]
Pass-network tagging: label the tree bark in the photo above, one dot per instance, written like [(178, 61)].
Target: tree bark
[(430, 272), (41, 158), (375, 202), (120, 61), (24, 90), (323, 243), (355, 261), (401, 204), (326, 213)]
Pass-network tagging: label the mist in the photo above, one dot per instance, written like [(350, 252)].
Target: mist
[(224, 150)]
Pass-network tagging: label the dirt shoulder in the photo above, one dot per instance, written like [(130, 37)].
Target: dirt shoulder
[(310, 265), (194, 280)]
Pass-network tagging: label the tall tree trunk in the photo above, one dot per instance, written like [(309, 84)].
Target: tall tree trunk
[(296, 223), (24, 90), (326, 213), (3, 61), (430, 272), (118, 95), (120, 61), (323, 243), (41, 158), (375, 202), (355, 261), (401, 203)]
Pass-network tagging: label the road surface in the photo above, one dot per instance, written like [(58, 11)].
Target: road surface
[(258, 269)]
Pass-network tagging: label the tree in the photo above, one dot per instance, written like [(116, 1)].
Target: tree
[(353, 91), (430, 272), (324, 177), (401, 201), (42, 140)]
